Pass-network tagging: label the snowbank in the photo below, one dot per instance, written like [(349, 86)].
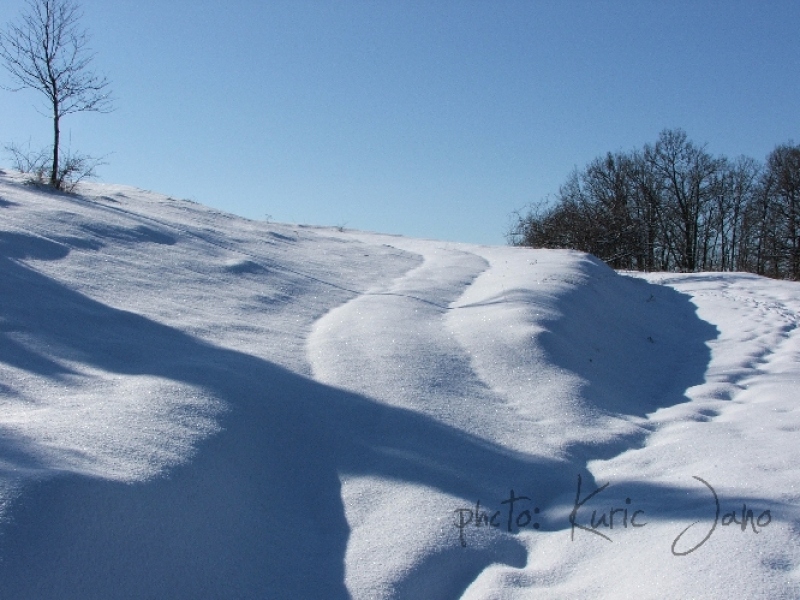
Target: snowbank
[(193, 405)]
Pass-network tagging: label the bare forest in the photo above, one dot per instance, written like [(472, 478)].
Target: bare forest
[(672, 206)]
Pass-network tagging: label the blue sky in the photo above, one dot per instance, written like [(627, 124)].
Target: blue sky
[(425, 118)]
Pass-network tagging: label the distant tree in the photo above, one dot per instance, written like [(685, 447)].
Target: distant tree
[(733, 206), (760, 225), (609, 188), (648, 212), (782, 192), (47, 52), (690, 181), (612, 209)]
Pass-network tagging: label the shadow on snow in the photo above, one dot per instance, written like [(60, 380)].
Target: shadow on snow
[(258, 510)]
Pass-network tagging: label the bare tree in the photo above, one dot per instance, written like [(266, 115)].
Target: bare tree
[(47, 51), (783, 175), (689, 180)]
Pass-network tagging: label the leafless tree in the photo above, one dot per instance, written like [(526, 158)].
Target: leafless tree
[(689, 179), (783, 191), (47, 51)]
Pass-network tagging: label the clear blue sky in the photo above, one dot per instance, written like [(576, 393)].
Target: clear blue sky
[(429, 118)]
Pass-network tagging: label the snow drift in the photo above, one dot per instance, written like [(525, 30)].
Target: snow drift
[(193, 405)]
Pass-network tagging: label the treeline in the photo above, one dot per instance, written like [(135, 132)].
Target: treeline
[(672, 206)]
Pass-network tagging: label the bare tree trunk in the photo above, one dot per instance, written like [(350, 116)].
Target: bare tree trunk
[(54, 182)]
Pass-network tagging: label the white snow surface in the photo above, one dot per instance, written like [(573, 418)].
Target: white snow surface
[(194, 405)]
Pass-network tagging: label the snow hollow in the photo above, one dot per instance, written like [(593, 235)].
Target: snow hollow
[(194, 405)]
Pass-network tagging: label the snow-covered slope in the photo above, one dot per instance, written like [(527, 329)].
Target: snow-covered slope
[(193, 405)]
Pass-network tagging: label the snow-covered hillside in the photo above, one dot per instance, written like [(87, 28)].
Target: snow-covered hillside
[(193, 405)]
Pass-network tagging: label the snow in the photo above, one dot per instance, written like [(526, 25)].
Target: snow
[(194, 405)]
